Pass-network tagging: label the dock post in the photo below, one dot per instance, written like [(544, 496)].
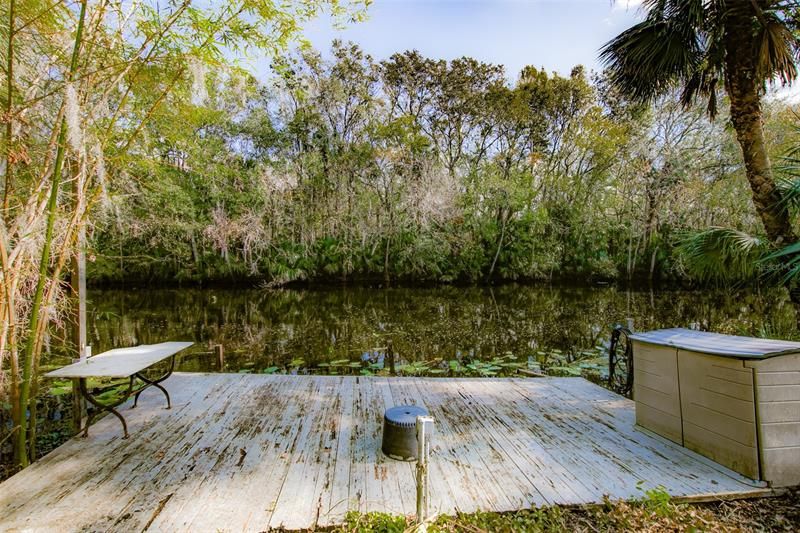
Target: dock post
[(390, 356), (78, 404), (424, 434), (219, 351)]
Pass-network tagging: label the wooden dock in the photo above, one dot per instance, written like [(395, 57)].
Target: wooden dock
[(249, 452)]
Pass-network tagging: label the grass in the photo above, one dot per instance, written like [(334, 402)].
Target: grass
[(655, 512)]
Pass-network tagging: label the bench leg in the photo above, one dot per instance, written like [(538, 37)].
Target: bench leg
[(155, 383), (102, 407)]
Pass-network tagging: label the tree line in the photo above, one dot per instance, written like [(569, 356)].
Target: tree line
[(344, 168)]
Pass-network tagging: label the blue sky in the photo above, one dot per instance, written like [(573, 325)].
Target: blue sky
[(554, 34)]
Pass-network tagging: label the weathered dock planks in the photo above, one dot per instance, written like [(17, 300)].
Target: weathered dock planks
[(249, 452)]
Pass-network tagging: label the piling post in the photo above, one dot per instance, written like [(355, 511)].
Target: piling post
[(390, 356), (219, 352), (78, 404), (424, 434)]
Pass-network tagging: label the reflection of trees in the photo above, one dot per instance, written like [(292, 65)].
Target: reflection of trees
[(266, 328)]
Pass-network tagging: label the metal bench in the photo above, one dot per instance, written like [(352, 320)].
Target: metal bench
[(122, 363)]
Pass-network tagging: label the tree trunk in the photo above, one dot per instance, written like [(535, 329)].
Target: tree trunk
[(653, 264), (744, 92), (386, 277), (503, 221)]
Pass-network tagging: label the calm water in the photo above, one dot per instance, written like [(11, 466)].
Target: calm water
[(345, 330)]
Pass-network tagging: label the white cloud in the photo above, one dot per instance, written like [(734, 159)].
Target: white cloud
[(622, 5)]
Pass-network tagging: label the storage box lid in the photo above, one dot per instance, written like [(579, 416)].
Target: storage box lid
[(717, 343)]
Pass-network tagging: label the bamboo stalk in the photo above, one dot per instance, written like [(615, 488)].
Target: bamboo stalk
[(9, 105), (35, 324)]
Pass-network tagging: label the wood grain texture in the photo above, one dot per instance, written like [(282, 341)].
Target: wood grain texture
[(249, 452)]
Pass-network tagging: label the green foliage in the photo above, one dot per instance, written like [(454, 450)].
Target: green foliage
[(658, 501), (654, 512), (543, 519), (722, 254), (374, 523), (785, 262), (592, 364), (418, 169), (60, 388)]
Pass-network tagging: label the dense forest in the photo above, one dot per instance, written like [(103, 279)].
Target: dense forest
[(345, 168)]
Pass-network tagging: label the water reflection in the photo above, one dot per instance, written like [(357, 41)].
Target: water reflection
[(285, 329)]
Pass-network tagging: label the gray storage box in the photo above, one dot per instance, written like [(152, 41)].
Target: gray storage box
[(733, 399)]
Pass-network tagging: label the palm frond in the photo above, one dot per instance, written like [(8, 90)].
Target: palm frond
[(722, 255), (788, 171), (783, 252), (787, 259), (652, 56), (692, 11), (776, 48), (702, 83), (789, 188)]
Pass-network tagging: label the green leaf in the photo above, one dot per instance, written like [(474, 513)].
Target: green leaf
[(60, 391)]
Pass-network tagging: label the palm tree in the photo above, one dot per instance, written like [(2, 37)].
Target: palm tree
[(729, 256), (702, 44)]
